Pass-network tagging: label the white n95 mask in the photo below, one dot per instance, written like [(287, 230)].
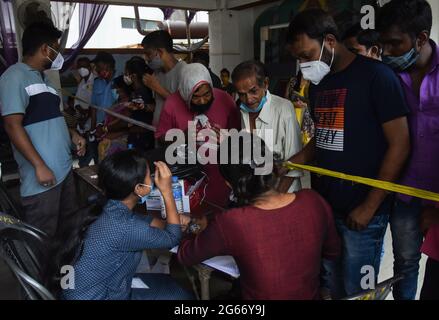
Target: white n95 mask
[(315, 71)]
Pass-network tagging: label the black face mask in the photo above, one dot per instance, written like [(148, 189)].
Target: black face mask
[(201, 108)]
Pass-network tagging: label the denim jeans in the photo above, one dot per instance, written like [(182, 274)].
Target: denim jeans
[(407, 241), (344, 276)]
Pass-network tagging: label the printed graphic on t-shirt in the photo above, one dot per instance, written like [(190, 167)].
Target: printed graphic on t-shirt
[(329, 115)]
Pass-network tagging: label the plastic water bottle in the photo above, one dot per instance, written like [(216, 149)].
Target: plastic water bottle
[(178, 198), (163, 209), (178, 195)]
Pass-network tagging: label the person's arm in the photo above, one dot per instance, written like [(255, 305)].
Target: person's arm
[(389, 102), (152, 82), (139, 235), (21, 141), (209, 243), (142, 233), (305, 156), (398, 139), (292, 145)]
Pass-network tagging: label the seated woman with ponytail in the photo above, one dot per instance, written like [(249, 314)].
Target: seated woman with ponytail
[(278, 240), (106, 248)]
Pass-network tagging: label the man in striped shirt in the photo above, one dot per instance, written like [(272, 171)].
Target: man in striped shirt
[(41, 140)]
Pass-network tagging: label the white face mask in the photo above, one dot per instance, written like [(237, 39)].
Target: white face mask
[(58, 62), (315, 71), (84, 72)]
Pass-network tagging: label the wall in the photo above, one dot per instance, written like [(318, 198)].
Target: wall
[(231, 36), (435, 30)]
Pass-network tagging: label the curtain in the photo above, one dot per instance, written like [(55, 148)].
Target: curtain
[(190, 16), (90, 16), (61, 14), (8, 39), (167, 13)]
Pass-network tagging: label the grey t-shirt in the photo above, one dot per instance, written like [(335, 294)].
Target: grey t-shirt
[(169, 81)]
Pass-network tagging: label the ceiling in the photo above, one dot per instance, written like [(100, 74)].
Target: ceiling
[(207, 5)]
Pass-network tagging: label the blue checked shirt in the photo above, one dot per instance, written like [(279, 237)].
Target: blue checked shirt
[(112, 251)]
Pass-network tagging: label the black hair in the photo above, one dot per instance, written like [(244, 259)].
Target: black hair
[(247, 186), (367, 38), (118, 175), (83, 59), (106, 58), (201, 56), (298, 84), (118, 82), (137, 66), (159, 39), (225, 70), (37, 34), (315, 23), (410, 16), (248, 69)]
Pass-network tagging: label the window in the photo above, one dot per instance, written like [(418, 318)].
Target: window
[(147, 25)]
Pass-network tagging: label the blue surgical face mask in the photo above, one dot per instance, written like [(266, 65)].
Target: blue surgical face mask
[(246, 108), (115, 94), (403, 62), (144, 198)]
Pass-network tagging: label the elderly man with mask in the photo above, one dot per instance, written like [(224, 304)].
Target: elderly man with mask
[(197, 100), (271, 117)]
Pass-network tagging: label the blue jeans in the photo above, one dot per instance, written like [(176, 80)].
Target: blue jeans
[(344, 276), (407, 241), (161, 287)]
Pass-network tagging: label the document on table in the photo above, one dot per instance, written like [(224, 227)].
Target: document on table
[(226, 264)]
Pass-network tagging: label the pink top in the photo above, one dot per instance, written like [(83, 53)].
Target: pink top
[(223, 113), (431, 243)]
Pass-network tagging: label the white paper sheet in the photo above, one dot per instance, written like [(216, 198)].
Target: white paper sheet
[(226, 264), (138, 284)]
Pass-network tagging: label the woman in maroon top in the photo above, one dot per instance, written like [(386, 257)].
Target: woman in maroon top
[(278, 240)]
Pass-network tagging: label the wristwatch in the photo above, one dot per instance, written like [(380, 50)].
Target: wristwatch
[(193, 227)]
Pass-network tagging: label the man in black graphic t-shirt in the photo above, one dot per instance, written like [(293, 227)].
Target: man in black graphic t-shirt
[(361, 129)]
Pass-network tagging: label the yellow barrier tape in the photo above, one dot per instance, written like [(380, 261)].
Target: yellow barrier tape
[(384, 185)]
